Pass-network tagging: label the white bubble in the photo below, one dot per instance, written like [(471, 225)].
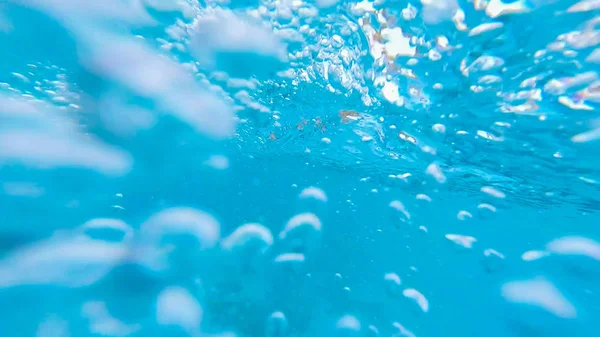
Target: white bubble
[(132, 64), (313, 192), (419, 298), (436, 11), (217, 162), (532, 255), (463, 215), (491, 252), (439, 128), (176, 306), (575, 245), (163, 238), (486, 207), (497, 8), (404, 176), (21, 77), (42, 149), (493, 192), (223, 31), (424, 197), (435, 171), (277, 325), (393, 282), (485, 27), (593, 134), (373, 331), (122, 118), (326, 140), (362, 7), (461, 240), (392, 278), (402, 330), (493, 260), (183, 220), (249, 234), (541, 293), (489, 136), (397, 205), (73, 261), (303, 220), (290, 257), (348, 322)]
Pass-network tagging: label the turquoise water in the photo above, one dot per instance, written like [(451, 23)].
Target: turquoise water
[(299, 168)]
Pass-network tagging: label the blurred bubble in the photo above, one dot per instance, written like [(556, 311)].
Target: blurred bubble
[(417, 297), (50, 150), (541, 293), (462, 240), (176, 306), (176, 235), (277, 325), (348, 322), (313, 192), (392, 283), (71, 261), (574, 245), (248, 237)]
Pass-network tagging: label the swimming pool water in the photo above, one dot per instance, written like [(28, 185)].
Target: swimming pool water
[(299, 168)]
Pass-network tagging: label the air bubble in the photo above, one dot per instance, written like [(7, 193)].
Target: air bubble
[(314, 193), (541, 293), (418, 298), (176, 306), (252, 236), (301, 222), (462, 240), (424, 197), (72, 261), (493, 260), (574, 245), (533, 255), (277, 325), (289, 258), (398, 206), (348, 322), (392, 283), (435, 171), (493, 192), (464, 215)]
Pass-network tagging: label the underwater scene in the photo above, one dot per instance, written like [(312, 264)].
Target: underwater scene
[(300, 168)]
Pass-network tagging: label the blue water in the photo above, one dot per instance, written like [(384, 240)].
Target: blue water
[(299, 168)]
